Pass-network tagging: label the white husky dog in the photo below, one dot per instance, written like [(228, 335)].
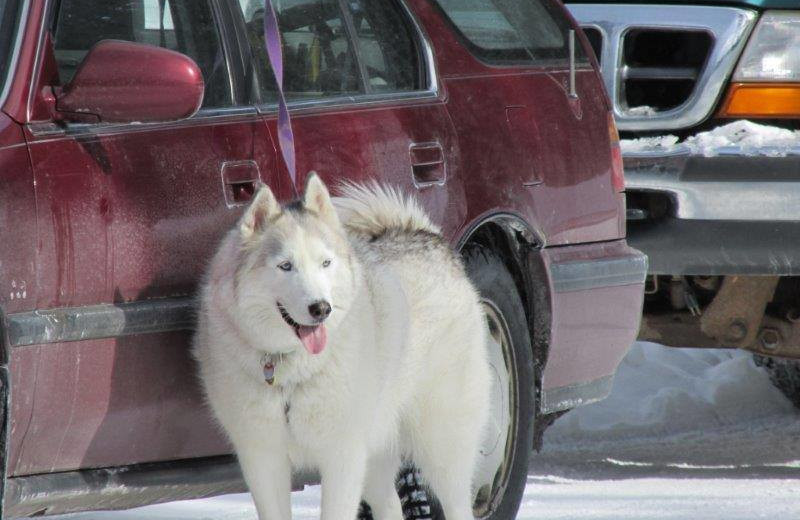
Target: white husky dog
[(345, 342)]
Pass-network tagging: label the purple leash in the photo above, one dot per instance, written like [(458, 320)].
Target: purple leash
[(272, 40)]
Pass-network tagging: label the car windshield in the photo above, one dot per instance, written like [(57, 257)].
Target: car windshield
[(8, 25)]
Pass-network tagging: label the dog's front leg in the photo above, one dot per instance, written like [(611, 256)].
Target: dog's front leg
[(264, 458), (342, 474)]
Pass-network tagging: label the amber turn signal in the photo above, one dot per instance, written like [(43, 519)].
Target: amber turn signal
[(766, 100)]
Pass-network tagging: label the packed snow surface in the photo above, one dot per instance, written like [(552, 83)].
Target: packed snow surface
[(686, 434), (743, 137)]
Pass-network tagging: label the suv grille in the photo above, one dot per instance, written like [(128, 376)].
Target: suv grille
[(664, 66), (595, 38), (660, 68)]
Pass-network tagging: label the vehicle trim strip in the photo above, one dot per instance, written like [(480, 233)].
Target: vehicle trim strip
[(570, 396), (594, 274), (64, 324), (121, 488), (131, 486)]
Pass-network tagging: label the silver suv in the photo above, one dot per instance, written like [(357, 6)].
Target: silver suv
[(707, 98)]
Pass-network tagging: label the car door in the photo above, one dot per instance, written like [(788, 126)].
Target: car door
[(128, 216), (363, 94)]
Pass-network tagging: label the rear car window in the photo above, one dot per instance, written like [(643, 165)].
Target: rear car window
[(386, 46), (185, 26), (8, 24), (511, 31), (327, 52)]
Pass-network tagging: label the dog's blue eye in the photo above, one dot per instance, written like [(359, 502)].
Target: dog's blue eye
[(326, 263), (285, 266)]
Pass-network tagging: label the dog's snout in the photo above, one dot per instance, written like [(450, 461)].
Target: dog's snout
[(319, 310)]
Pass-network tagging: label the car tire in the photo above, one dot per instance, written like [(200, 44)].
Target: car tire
[(417, 501), (784, 374), (499, 293)]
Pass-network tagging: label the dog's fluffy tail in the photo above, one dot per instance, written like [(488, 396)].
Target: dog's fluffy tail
[(373, 209)]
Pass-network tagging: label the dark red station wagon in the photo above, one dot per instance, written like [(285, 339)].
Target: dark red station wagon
[(132, 134)]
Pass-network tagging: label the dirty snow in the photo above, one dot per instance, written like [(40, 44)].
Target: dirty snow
[(686, 434), (661, 144), (744, 137), (642, 110)]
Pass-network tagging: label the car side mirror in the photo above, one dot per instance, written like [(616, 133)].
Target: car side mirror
[(125, 82)]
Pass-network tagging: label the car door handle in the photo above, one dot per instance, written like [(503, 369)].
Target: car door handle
[(428, 166), (239, 181)]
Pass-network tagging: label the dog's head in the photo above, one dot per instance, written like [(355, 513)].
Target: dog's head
[(295, 278)]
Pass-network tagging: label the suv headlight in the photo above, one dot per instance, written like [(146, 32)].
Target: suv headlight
[(773, 52), (766, 82)]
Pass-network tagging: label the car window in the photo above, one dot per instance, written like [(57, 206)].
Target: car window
[(511, 31), (385, 45), (318, 60), (185, 26), (8, 30)]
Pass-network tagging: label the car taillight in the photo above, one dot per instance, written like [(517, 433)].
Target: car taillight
[(766, 82), (617, 173)]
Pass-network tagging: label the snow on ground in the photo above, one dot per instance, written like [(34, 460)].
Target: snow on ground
[(742, 136), (686, 434)]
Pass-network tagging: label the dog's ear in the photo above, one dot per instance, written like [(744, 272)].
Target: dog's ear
[(317, 199), (265, 207)]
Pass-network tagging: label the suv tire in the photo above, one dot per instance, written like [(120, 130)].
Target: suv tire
[(784, 374)]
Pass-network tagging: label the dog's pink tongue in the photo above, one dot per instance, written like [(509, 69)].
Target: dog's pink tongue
[(313, 338)]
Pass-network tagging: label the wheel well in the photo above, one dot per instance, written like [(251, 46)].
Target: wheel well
[(492, 236), (531, 281)]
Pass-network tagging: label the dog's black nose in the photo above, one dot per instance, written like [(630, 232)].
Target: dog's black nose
[(319, 310)]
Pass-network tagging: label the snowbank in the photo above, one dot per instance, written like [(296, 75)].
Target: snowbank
[(660, 390), (743, 137), (684, 407)]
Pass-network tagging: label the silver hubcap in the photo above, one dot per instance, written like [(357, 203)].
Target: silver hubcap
[(491, 475)]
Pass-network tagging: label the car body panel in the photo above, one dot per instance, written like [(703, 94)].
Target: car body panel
[(607, 283), (17, 220), (375, 142), (108, 402), (571, 171), (127, 215)]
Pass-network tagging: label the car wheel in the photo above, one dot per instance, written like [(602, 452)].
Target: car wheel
[(417, 501), (503, 464), (784, 374)]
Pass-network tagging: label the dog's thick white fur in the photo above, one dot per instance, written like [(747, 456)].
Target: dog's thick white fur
[(403, 370)]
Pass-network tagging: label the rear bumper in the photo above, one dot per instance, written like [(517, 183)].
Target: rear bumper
[(596, 304), (729, 214)]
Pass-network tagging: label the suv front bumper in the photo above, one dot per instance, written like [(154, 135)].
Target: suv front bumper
[(733, 213)]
